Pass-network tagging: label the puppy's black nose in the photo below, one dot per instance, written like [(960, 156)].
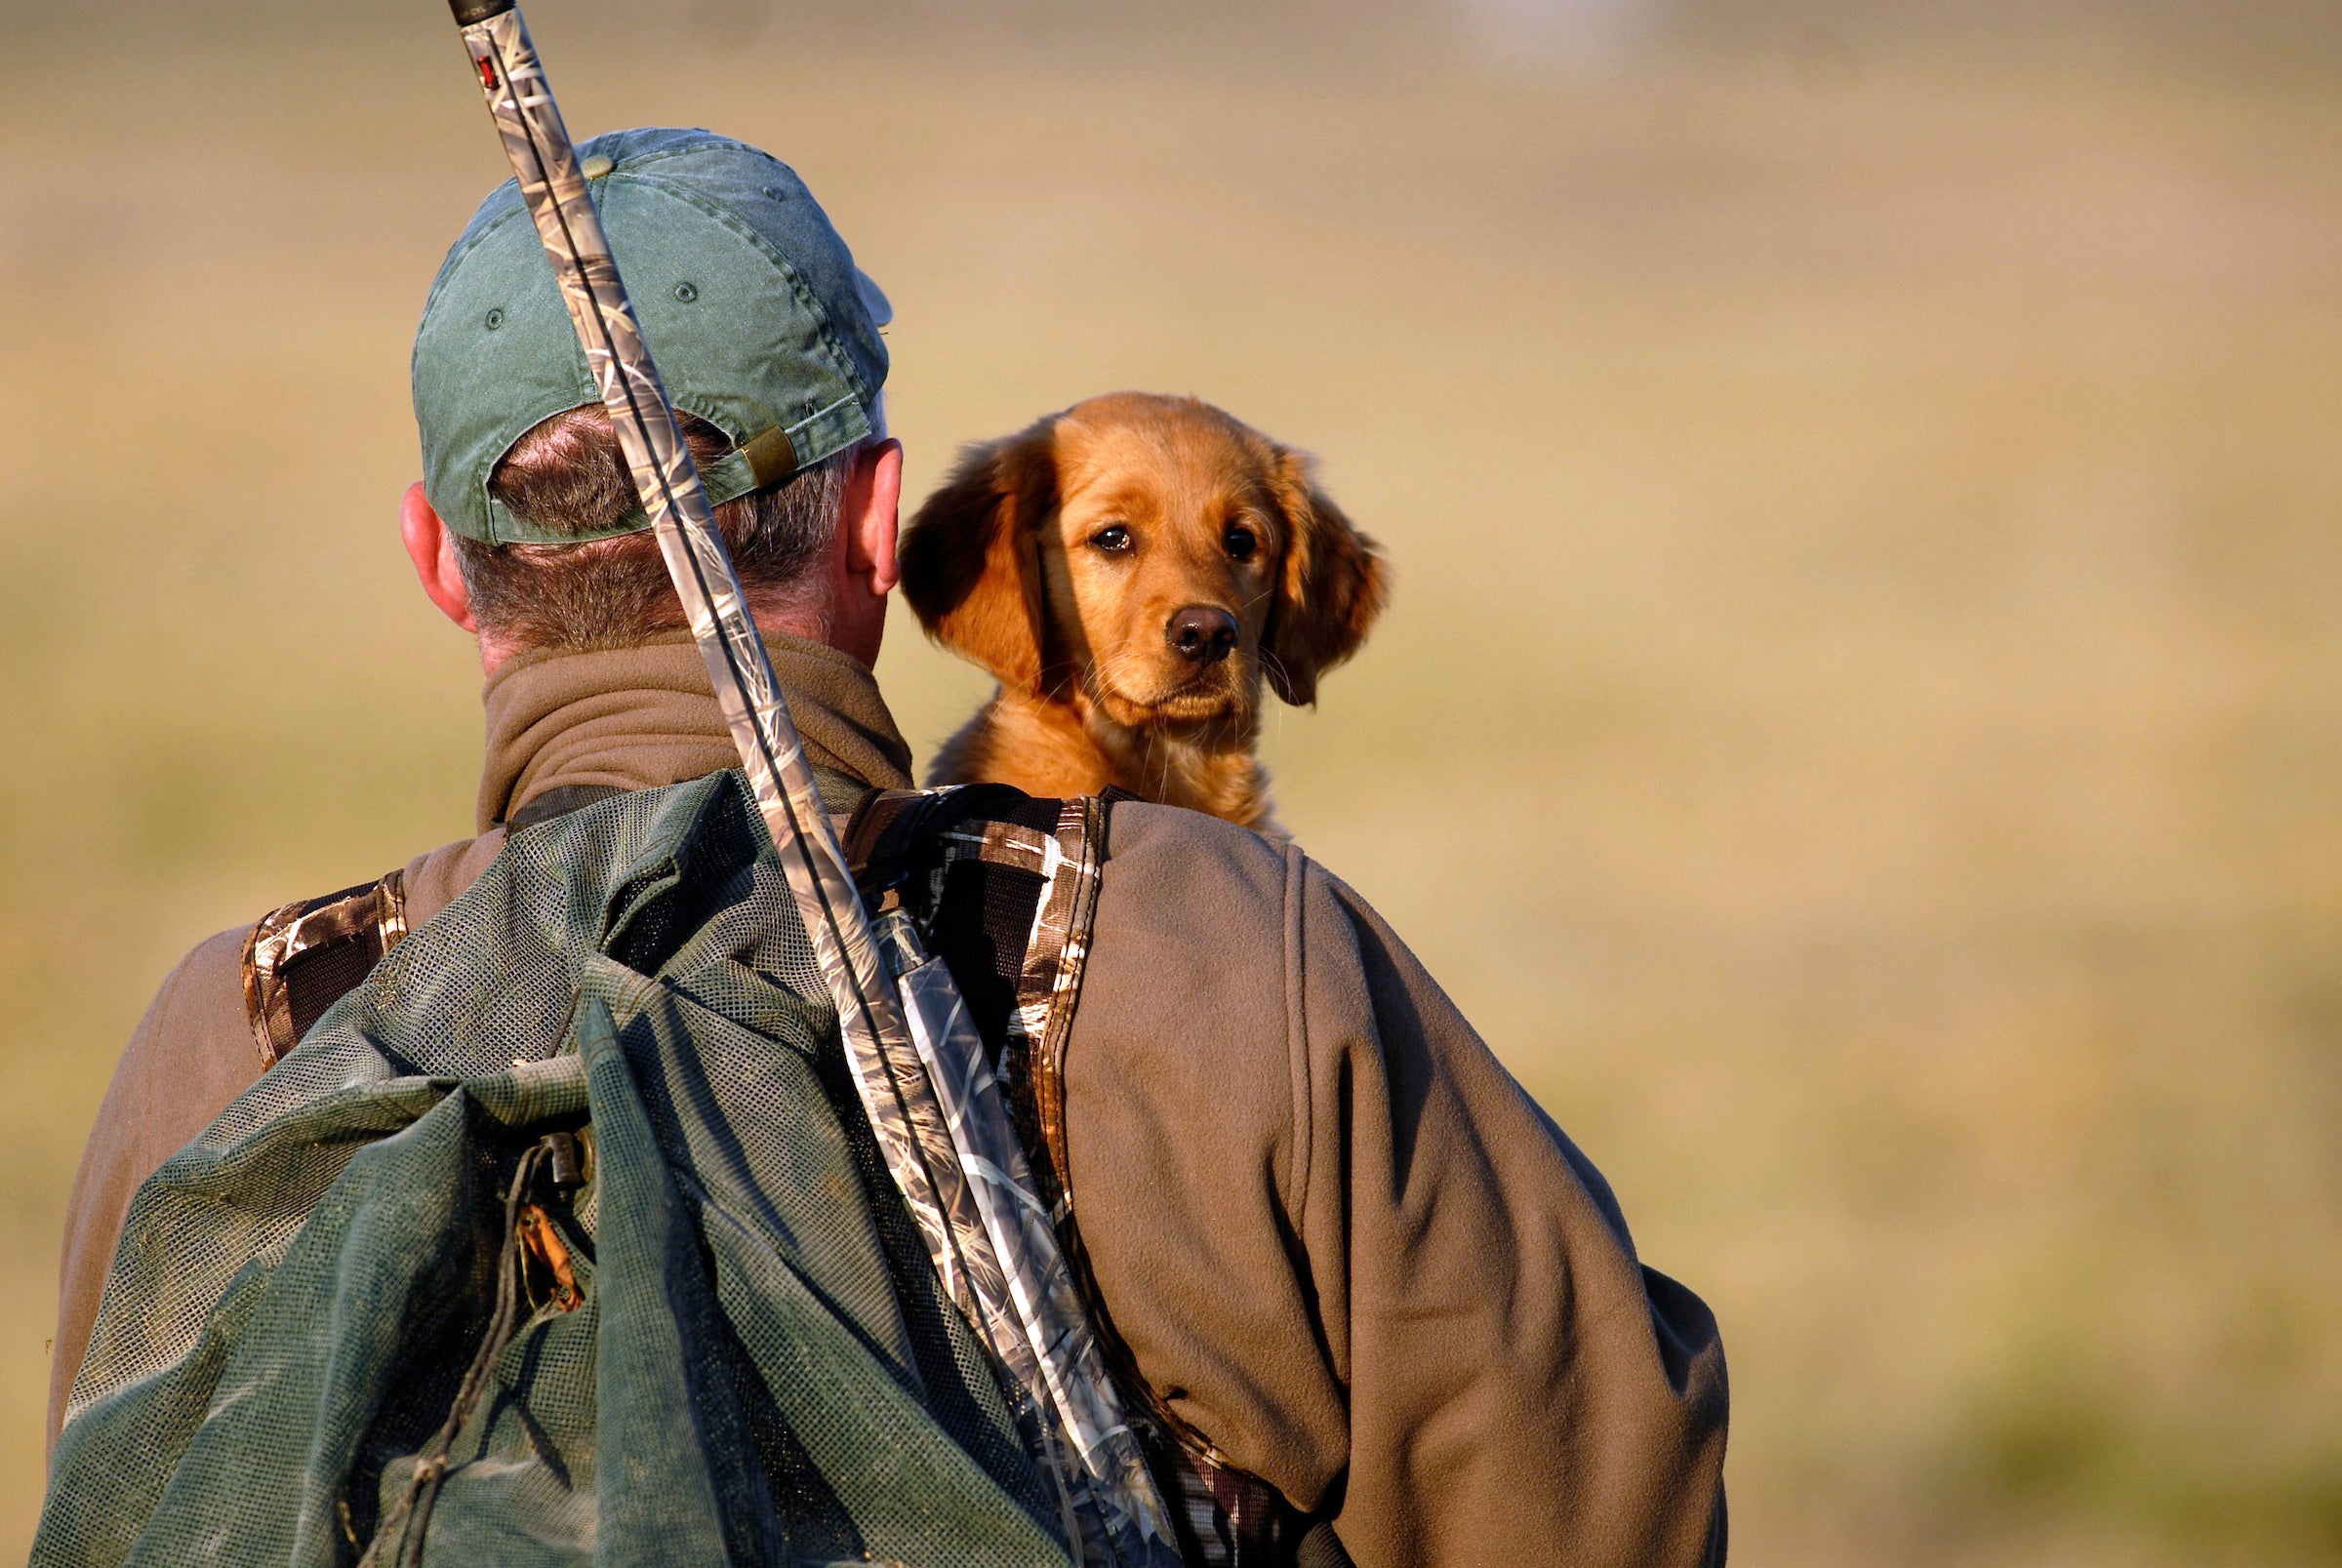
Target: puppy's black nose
[(1201, 633)]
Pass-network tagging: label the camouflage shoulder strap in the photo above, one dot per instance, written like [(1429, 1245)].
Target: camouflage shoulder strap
[(1004, 886), (305, 956)]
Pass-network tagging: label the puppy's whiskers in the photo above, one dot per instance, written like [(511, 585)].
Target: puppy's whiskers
[(1104, 676), (1274, 667)]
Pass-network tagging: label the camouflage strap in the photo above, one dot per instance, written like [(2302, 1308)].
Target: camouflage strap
[(1005, 890), (302, 957), (985, 1179), (943, 1179)]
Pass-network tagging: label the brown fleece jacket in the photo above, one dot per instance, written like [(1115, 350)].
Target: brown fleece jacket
[(1332, 1229)]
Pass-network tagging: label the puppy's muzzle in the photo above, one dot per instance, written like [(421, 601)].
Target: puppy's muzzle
[(1201, 633)]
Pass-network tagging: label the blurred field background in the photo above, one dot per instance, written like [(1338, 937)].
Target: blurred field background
[(1860, 722)]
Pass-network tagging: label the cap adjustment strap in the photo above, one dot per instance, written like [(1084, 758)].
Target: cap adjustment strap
[(756, 463)]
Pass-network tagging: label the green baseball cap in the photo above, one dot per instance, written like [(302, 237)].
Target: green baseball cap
[(751, 304)]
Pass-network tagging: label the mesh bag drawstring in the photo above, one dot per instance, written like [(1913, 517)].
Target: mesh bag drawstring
[(431, 1465)]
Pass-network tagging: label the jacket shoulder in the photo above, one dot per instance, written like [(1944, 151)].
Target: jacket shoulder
[(1169, 848), (1183, 893), (203, 996)]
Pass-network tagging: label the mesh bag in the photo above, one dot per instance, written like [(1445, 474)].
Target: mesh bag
[(757, 1369)]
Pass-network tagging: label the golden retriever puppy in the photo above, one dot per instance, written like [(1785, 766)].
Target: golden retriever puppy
[(1131, 571)]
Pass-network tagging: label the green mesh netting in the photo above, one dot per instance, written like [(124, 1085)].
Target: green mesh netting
[(761, 1370)]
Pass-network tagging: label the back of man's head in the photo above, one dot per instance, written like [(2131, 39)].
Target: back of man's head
[(765, 334)]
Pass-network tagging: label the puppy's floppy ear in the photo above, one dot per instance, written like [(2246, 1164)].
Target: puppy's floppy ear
[(971, 561), (1331, 587)]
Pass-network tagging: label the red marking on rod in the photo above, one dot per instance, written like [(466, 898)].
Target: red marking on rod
[(488, 74)]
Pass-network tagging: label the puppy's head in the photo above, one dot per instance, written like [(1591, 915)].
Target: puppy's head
[(1147, 558)]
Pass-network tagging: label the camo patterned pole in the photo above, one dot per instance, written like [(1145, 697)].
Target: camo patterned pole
[(974, 1204)]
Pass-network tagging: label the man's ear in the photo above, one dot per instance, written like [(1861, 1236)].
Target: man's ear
[(1331, 585), (432, 547), (872, 513), (971, 557)]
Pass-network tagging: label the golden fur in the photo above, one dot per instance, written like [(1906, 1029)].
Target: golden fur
[(1016, 564)]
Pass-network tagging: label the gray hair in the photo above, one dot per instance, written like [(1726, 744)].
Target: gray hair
[(567, 475)]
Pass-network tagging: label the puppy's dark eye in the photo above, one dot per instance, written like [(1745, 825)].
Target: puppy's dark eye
[(1114, 540), (1239, 541)]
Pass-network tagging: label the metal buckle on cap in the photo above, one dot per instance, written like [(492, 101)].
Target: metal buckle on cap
[(770, 457)]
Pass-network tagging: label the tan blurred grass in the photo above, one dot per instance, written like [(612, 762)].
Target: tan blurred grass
[(1858, 727)]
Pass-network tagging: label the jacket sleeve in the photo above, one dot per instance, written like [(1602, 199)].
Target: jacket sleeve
[(1345, 1245), (190, 1054)]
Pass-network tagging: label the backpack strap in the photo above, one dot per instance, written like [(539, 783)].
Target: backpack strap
[(304, 958), (892, 834), (1004, 886)]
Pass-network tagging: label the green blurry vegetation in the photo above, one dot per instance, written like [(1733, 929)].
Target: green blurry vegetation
[(1859, 725)]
